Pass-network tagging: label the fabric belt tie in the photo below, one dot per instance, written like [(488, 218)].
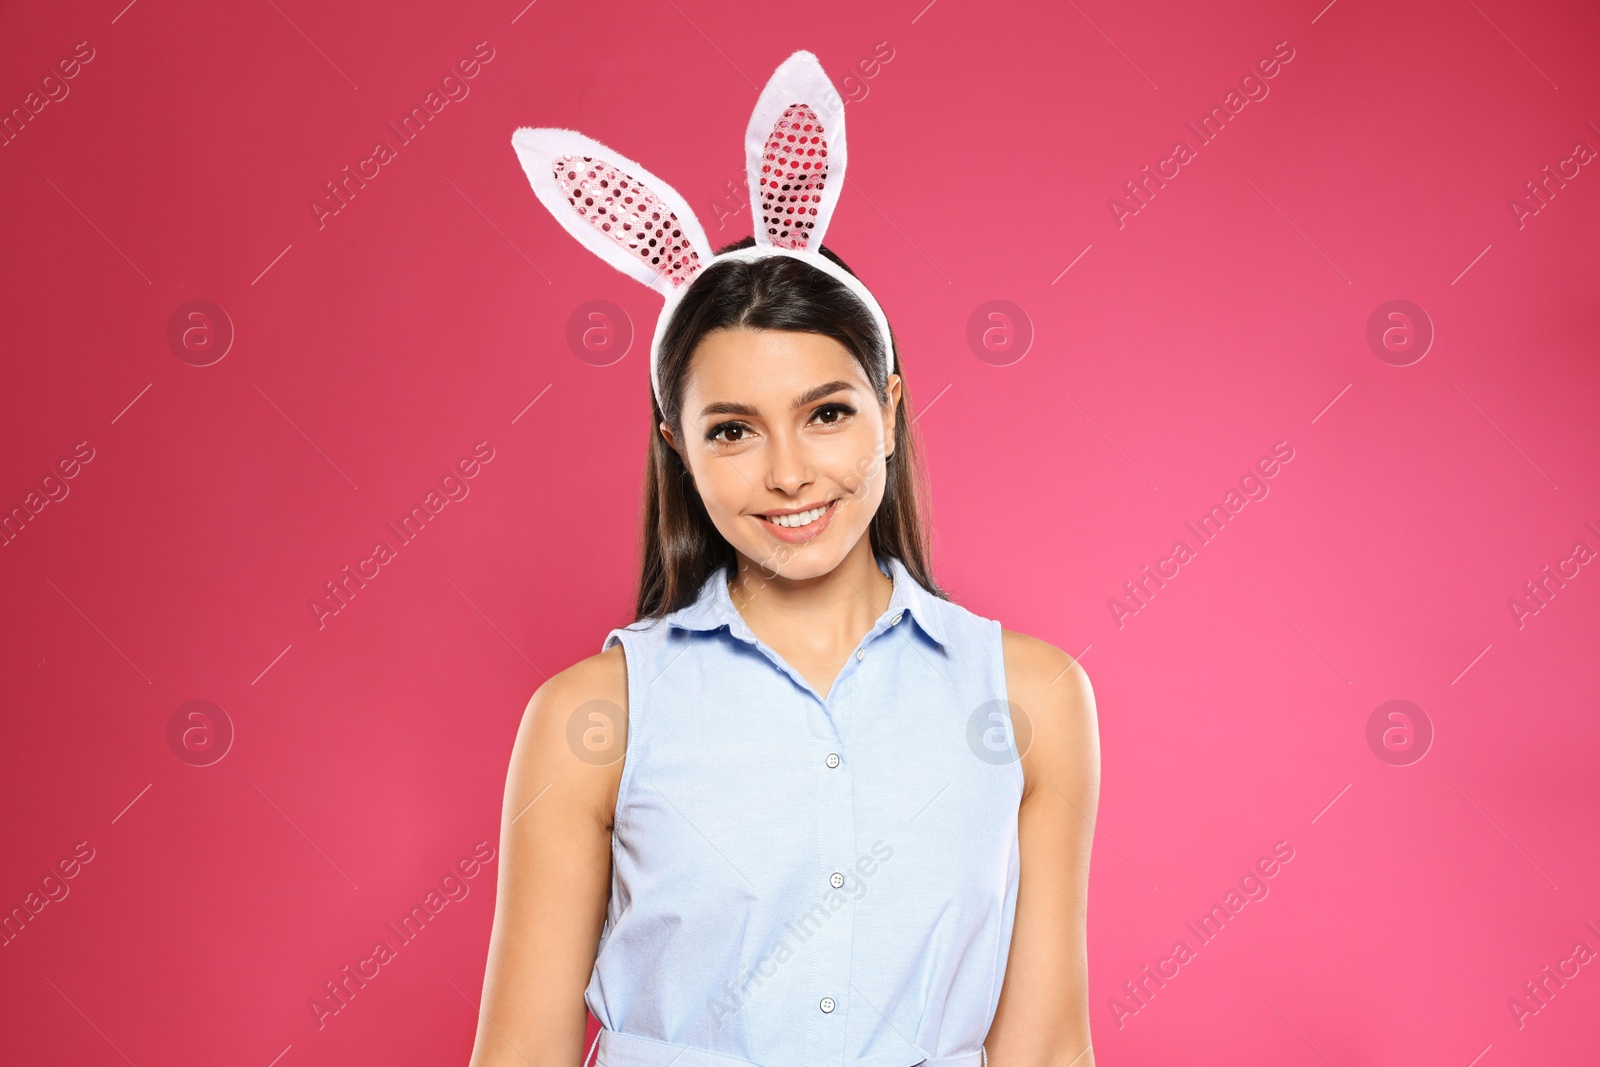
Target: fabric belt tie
[(627, 1050)]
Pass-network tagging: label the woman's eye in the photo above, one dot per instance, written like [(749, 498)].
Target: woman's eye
[(726, 428), (838, 411)]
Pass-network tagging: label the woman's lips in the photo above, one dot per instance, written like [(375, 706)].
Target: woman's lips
[(800, 534)]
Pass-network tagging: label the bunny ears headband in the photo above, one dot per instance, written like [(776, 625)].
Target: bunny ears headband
[(794, 153)]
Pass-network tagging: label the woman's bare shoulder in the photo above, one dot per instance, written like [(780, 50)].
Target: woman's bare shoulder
[(574, 731), (1034, 665), (602, 676), (1057, 729)]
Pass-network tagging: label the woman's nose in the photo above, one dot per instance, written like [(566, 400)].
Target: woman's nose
[(789, 463)]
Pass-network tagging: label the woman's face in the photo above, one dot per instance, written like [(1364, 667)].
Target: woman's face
[(776, 421)]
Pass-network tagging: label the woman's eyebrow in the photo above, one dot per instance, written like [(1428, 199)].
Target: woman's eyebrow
[(810, 396)]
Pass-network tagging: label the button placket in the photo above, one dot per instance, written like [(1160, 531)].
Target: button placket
[(837, 833), (832, 932), (878, 631)]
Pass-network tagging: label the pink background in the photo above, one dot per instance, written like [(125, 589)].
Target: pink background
[(375, 350)]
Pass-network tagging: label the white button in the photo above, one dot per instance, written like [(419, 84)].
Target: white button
[(833, 759), (826, 1005), (897, 616), (861, 653), (836, 880)]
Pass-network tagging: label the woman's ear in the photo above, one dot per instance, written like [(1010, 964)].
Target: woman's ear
[(891, 420), (665, 430)]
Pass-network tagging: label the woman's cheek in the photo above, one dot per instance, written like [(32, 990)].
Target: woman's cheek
[(866, 476), (723, 489)]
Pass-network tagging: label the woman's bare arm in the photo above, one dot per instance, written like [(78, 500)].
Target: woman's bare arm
[(1043, 1016), (555, 866)]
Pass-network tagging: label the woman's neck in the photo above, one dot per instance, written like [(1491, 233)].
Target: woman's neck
[(823, 616)]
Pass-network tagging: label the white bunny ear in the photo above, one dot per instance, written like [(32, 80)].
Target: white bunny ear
[(614, 207), (795, 154)]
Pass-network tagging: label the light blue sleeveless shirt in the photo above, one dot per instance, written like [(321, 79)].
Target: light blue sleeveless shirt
[(800, 881)]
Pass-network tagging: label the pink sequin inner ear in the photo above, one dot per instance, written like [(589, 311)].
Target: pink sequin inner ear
[(637, 219), (794, 170)]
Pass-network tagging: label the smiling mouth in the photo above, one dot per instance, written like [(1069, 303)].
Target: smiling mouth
[(799, 519)]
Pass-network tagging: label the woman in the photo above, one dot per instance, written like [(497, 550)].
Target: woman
[(805, 810)]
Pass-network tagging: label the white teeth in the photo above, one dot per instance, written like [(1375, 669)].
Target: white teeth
[(803, 518)]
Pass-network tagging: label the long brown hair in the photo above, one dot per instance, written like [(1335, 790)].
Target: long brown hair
[(680, 547)]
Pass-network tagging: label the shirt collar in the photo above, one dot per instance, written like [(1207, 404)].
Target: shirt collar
[(713, 607)]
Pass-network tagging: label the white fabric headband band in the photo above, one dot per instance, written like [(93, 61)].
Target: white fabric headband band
[(795, 157)]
